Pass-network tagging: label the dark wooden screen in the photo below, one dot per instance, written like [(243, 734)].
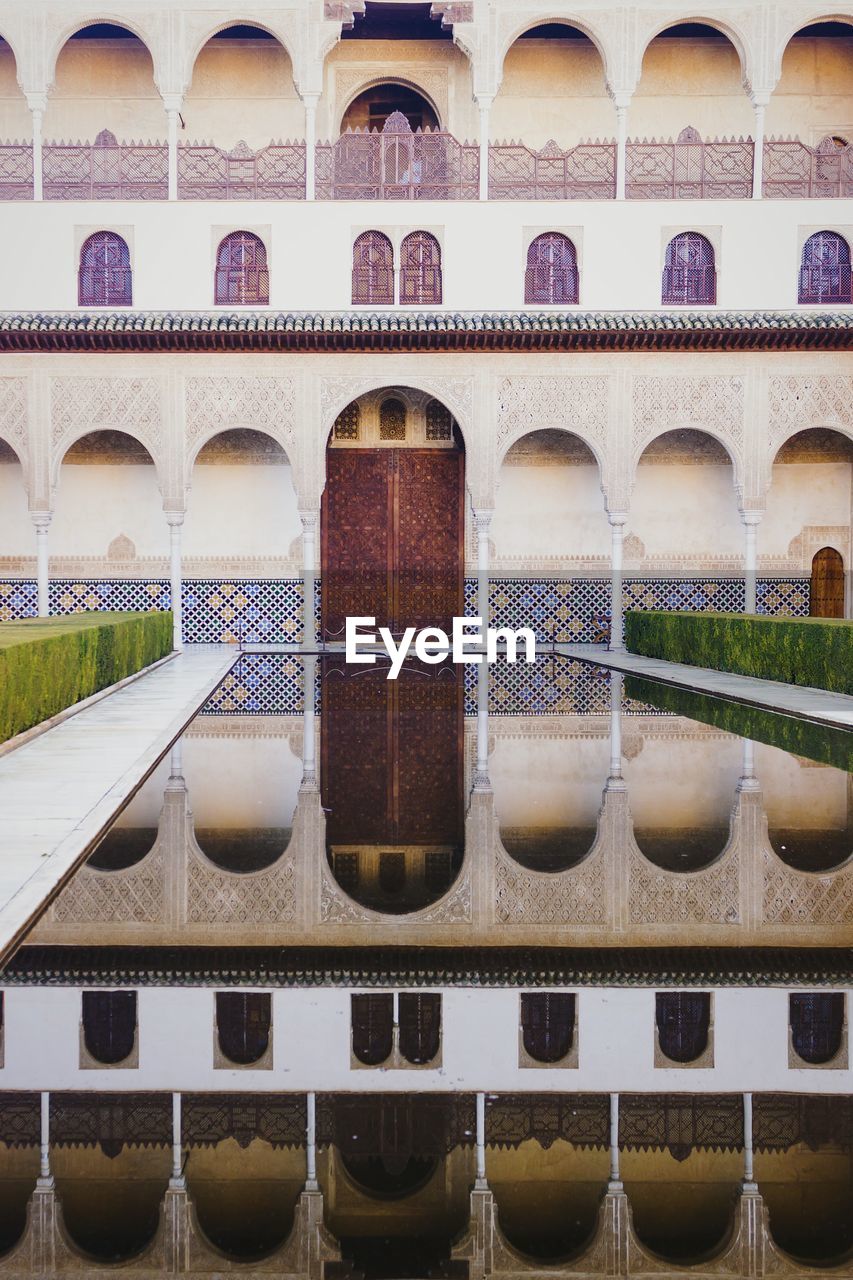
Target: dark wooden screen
[(826, 598), (689, 273), (817, 1023), (683, 1019), (552, 270), (243, 1021), (392, 537), (420, 269), (547, 1024), (825, 273), (372, 270), (105, 278), (109, 1024), (242, 275), (372, 1028), (420, 1026)]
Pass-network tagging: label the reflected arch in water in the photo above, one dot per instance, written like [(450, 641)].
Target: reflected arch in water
[(682, 1206), (122, 848), (111, 1202), (245, 1197)]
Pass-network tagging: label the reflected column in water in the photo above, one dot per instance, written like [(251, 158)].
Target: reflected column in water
[(45, 1179), (614, 1186), (749, 1185), (310, 520), (482, 523), (617, 537), (177, 1181), (615, 780), (309, 737)]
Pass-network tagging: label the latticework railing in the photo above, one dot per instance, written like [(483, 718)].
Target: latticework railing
[(397, 164), (16, 171), (793, 170), (106, 170), (689, 168), (584, 172), (207, 172)]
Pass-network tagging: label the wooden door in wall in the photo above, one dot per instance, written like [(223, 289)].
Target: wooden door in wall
[(392, 532), (826, 599)]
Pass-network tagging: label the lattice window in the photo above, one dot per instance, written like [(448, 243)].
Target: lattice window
[(420, 1027), (420, 269), (105, 278), (346, 871), (683, 1019), (817, 1024), (372, 1028), (109, 1025), (439, 421), (547, 1024), (392, 420), (348, 422), (242, 276), (372, 270), (552, 270), (825, 270), (689, 273), (243, 1020)]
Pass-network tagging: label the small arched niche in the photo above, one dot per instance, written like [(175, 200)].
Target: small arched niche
[(553, 87), (242, 90), (370, 109), (15, 119), (684, 505), (104, 79), (691, 75), (817, 67)]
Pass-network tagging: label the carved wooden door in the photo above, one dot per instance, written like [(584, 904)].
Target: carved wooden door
[(392, 530), (827, 586)]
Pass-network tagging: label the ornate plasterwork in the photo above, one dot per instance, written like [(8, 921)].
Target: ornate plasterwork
[(132, 896), (807, 899), (221, 897), (456, 393), (812, 401), (707, 403), (577, 896), (220, 404), (570, 402), (432, 80), (710, 896), (13, 414), (80, 404), (336, 907)]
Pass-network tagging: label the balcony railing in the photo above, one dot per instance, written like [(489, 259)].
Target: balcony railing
[(106, 170), (689, 168), (793, 170), (276, 172), (584, 172), (397, 164)]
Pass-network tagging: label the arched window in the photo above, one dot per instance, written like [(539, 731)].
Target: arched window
[(243, 1025), (242, 277), (552, 270), (109, 1025), (689, 274), (348, 423), (420, 1027), (373, 269), (825, 269), (372, 1028), (683, 1019), (420, 269), (439, 421), (105, 278), (817, 1023), (392, 420), (547, 1025)]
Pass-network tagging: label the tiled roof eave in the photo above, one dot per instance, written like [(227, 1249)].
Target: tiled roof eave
[(360, 331)]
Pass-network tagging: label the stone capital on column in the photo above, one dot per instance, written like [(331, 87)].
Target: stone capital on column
[(617, 517), (172, 102), (36, 99), (41, 519), (174, 519)]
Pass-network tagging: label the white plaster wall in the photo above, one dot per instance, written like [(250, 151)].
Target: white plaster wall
[(244, 509), (690, 82), (813, 95), (799, 794), (311, 1046), (684, 510), (695, 789), (550, 782), (96, 503), (241, 782), (549, 511), (310, 248), (552, 89), (801, 494), (17, 536), (242, 90), (144, 808)]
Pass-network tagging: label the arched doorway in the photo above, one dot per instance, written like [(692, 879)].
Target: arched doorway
[(826, 599), (372, 108), (393, 514)]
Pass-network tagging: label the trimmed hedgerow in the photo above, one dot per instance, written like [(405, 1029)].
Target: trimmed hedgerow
[(809, 651), (48, 664)]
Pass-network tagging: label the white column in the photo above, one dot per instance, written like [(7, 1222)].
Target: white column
[(480, 1183), (41, 520), (173, 103), (177, 1180), (484, 105), (309, 101), (615, 1183), (759, 106), (749, 1184), (751, 521), (747, 780), (311, 1183), (621, 102), (309, 735), (45, 1178), (617, 536), (37, 102), (176, 767), (309, 572), (176, 578)]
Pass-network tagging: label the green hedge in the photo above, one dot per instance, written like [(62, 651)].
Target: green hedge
[(48, 664), (810, 651)]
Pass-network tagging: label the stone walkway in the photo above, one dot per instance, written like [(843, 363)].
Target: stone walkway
[(832, 709), (60, 792)]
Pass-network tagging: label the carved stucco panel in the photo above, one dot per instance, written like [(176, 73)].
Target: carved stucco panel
[(573, 402), (710, 403), (13, 414), (219, 897), (457, 393), (661, 897), (817, 401), (798, 898), (82, 403), (219, 404), (134, 896), (577, 896)]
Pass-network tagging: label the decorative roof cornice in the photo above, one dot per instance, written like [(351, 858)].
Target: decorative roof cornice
[(427, 331), (430, 966)]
